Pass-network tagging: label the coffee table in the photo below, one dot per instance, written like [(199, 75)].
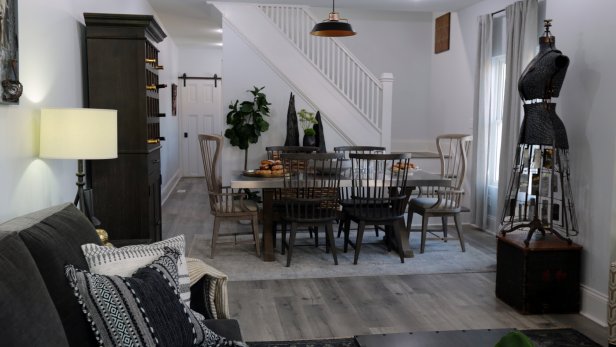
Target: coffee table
[(458, 338)]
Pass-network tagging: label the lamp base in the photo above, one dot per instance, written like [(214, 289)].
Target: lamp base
[(83, 198)]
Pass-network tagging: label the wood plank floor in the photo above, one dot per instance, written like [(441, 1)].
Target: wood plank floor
[(347, 306)]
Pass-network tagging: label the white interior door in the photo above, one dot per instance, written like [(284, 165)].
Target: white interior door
[(200, 113)]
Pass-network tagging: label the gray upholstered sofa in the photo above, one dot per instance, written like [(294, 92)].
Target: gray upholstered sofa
[(37, 305)]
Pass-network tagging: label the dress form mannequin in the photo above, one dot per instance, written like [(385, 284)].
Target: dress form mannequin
[(539, 196)]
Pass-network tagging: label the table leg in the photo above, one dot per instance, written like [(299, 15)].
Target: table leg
[(268, 225), (404, 239)]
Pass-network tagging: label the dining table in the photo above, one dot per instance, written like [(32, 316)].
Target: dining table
[(269, 185)]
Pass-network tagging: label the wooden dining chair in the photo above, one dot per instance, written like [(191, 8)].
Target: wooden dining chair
[(225, 204), (379, 197), (345, 192), (444, 201), (311, 196)]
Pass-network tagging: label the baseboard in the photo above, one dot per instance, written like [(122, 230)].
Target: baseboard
[(594, 305), (170, 186)]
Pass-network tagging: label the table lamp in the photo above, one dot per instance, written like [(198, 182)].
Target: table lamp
[(81, 134)]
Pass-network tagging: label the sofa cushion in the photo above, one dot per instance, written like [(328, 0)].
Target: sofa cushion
[(144, 309), (124, 261), (54, 237), (27, 314)]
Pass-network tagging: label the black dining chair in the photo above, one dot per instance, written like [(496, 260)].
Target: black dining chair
[(311, 196), (274, 153), (345, 192), (379, 196)]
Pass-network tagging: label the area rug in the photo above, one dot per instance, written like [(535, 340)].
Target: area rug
[(540, 338), (240, 262)]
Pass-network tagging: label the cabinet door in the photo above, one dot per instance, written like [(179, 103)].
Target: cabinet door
[(155, 220)]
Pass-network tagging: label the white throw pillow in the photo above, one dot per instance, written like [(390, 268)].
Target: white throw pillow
[(124, 261)]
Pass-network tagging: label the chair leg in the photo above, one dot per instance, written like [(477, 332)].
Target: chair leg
[(341, 224), (444, 220), (456, 218), (388, 231), (376, 230), (255, 232), (360, 237), (291, 243), (397, 228), (424, 231), (283, 238), (347, 231), (316, 236), (274, 228), (214, 236), (332, 245)]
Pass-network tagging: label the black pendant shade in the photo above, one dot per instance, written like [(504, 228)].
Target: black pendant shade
[(334, 26)]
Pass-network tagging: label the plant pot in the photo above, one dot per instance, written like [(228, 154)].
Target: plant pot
[(309, 141)]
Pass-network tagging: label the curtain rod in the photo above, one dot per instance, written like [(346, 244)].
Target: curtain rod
[(497, 12)]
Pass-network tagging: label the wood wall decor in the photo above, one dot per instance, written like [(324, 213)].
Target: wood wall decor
[(174, 99), (441, 33), (9, 72)]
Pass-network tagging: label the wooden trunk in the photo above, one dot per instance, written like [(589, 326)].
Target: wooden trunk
[(541, 278)]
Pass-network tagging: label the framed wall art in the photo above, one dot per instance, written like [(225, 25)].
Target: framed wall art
[(9, 66), (441, 33)]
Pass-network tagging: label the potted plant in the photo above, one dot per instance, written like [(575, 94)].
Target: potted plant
[(307, 120), (247, 121)]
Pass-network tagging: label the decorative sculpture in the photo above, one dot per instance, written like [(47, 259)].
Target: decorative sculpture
[(319, 134), (539, 197), (292, 126)]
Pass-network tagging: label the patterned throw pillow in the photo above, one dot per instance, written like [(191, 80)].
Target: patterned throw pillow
[(142, 310), (124, 261)]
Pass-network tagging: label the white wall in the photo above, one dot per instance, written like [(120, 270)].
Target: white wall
[(200, 61), (51, 63), (584, 32), (586, 106), (400, 43), (169, 125)]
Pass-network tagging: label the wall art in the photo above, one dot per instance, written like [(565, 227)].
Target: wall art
[(9, 66)]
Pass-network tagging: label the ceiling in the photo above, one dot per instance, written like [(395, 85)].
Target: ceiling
[(196, 23)]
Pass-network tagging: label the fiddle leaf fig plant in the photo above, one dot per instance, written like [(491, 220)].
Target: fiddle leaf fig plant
[(246, 121)]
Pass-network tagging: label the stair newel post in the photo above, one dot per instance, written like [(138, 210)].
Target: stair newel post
[(387, 81)]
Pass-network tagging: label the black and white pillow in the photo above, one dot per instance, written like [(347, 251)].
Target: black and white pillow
[(124, 261), (142, 310)]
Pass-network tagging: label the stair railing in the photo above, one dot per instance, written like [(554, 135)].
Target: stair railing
[(360, 87)]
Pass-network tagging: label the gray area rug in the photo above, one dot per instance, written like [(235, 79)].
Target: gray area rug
[(240, 262)]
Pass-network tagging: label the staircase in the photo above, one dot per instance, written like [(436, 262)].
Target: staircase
[(353, 102)]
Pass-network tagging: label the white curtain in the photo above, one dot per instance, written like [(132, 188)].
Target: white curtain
[(480, 123), (522, 34)]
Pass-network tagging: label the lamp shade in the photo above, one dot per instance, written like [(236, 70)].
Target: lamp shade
[(78, 133), (332, 28)]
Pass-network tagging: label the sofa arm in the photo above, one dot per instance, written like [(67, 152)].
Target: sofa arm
[(208, 289)]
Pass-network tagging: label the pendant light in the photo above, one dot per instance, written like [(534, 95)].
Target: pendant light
[(333, 26)]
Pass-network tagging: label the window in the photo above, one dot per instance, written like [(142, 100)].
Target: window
[(497, 95), (495, 116)]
